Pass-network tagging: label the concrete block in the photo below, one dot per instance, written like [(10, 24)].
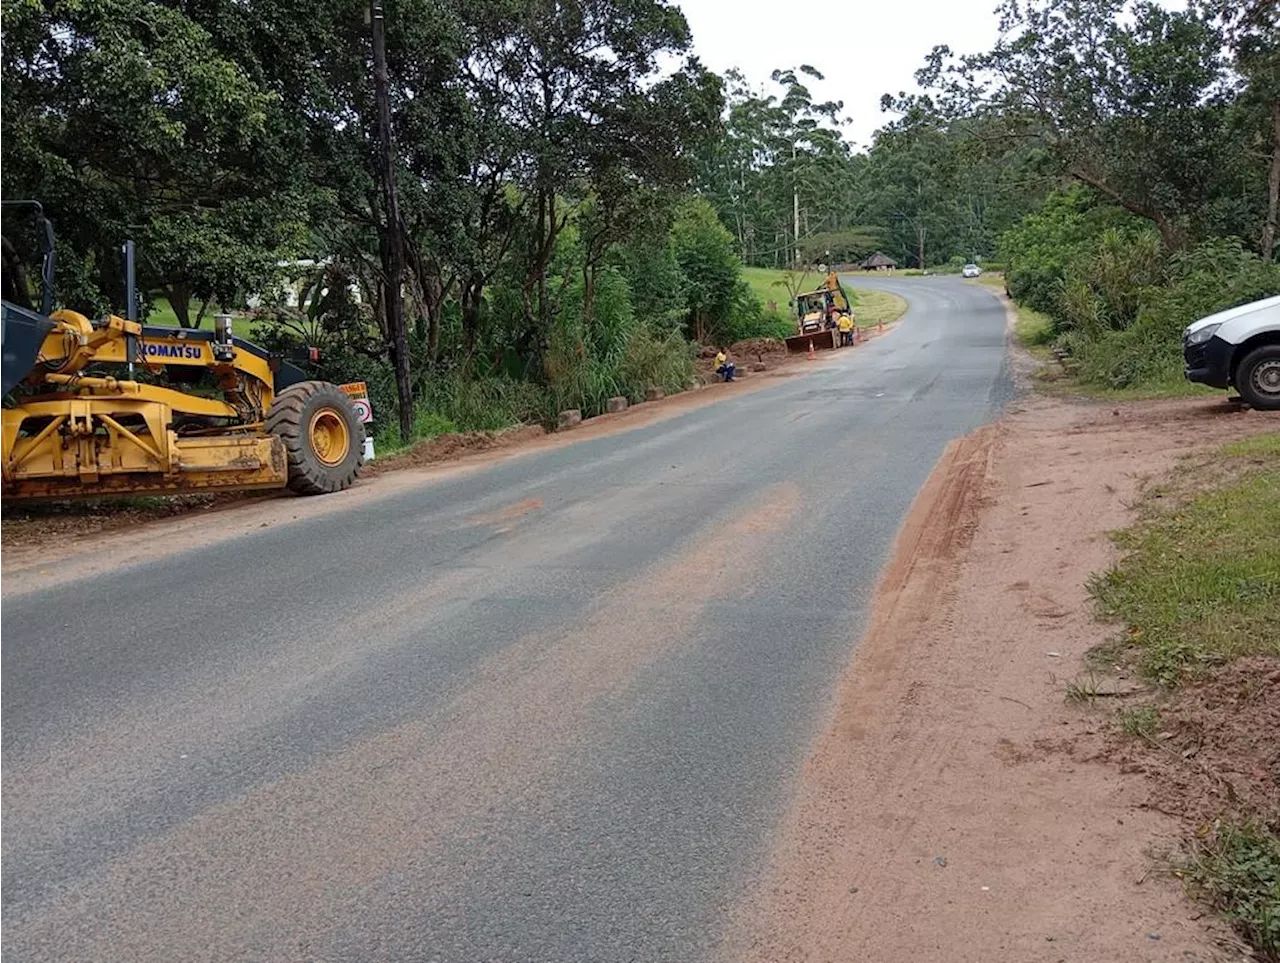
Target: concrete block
[(616, 404), (653, 393), (569, 419)]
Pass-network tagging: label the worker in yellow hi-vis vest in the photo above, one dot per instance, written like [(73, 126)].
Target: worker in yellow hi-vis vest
[(846, 329)]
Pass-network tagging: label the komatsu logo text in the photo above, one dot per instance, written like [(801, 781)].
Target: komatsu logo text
[(174, 351)]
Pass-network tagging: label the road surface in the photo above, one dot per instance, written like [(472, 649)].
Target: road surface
[(552, 710)]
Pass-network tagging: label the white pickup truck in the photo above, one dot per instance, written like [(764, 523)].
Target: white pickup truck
[(1238, 348)]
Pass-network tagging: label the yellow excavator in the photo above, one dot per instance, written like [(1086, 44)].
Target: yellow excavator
[(111, 406), (818, 317)]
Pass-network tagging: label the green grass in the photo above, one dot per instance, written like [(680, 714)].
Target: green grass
[(1200, 582), (1259, 446), (1237, 868), (870, 307), (163, 315), (768, 284), (873, 307), (1035, 332), (1032, 328), (1083, 690), (1140, 720), (1199, 586), (1171, 386), (426, 425)]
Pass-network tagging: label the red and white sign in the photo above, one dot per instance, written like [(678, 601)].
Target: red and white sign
[(358, 392)]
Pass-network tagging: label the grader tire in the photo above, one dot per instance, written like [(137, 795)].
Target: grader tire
[(323, 437)]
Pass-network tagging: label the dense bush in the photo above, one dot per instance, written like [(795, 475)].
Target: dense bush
[(713, 286), (1116, 298), (1213, 276), (628, 335), (749, 317), (1120, 304), (1043, 249)]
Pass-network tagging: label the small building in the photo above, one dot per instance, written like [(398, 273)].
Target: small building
[(879, 262)]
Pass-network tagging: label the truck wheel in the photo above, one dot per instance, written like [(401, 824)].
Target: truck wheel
[(323, 437), (1258, 378)]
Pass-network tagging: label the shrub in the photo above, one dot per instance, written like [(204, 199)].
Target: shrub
[(1042, 248), (482, 404), (704, 250), (1237, 866), (660, 358), (1211, 277)]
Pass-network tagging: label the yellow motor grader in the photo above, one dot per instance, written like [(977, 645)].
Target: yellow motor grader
[(110, 406)]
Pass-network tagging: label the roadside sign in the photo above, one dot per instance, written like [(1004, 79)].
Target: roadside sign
[(358, 392)]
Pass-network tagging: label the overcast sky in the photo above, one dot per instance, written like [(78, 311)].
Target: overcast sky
[(865, 48)]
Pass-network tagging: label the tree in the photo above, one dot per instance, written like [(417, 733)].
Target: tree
[(1252, 31), (783, 173), (127, 120), (913, 175), (321, 69), (1131, 105), (567, 108), (704, 251)]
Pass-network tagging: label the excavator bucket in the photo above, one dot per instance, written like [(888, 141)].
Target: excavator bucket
[(21, 333), (825, 340)]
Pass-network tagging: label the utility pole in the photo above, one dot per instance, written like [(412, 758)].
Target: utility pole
[(795, 202), (393, 238)]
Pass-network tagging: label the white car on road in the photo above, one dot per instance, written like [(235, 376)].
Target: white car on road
[(970, 271)]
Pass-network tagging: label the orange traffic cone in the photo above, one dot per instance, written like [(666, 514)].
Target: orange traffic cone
[(812, 356)]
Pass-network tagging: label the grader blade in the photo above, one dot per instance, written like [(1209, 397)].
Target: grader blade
[(21, 334)]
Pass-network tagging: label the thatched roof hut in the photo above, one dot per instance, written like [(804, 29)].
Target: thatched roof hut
[(879, 262)]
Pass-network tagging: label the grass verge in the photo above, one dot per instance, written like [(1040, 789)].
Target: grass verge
[(1198, 594), (1033, 330), (771, 285), (876, 307), (1200, 582), (871, 307)]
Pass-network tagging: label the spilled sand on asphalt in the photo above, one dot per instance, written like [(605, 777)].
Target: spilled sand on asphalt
[(413, 799)]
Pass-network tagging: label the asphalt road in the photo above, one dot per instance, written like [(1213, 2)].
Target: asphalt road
[(547, 711)]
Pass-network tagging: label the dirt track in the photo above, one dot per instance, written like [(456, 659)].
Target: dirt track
[(953, 809)]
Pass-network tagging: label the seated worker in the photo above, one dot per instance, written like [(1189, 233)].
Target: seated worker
[(724, 367), (846, 329)]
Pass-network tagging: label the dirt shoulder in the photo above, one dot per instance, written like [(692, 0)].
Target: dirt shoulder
[(957, 806)]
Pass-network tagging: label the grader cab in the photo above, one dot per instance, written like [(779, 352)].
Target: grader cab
[(112, 406)]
